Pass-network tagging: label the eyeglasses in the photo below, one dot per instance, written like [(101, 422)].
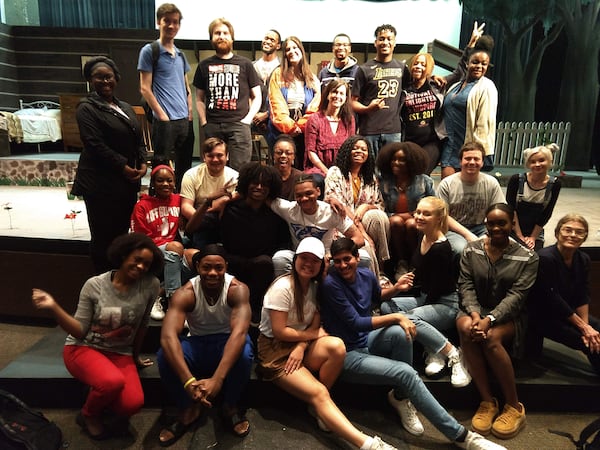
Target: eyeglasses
[(281, 152), (578, 232), (105, 78)]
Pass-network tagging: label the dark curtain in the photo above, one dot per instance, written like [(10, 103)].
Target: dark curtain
[(138, 14)]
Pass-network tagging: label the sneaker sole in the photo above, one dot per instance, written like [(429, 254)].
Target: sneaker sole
[(510, 435), (461, 385), (481, 431)]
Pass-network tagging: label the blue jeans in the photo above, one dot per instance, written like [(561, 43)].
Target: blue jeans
[(430, 319), (379, 140), (171, 271), (376, 365), (202, 355), (458, 243), (237, 136)]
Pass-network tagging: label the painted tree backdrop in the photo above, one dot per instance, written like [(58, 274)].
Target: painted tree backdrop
[(524, 47)]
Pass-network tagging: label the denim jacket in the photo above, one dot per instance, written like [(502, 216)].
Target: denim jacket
[(422, 186)]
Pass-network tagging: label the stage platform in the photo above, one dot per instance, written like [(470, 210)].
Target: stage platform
[(560, 380)]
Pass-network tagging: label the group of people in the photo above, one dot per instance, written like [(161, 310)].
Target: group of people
[(331, 262)]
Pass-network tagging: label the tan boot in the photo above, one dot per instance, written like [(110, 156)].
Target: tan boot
[(509, 423), (484, 417)]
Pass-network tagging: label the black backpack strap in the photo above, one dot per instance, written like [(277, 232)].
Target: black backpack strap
[(521, 184), (548, 193)]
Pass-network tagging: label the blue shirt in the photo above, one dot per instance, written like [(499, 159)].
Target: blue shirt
[(168, 80), (346, 307)]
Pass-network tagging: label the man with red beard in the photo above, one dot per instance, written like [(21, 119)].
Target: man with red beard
[(228, 94)]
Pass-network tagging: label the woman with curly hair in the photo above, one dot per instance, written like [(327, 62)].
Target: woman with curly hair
[(353, 183), (327, 129), (294, 94), (107, 330), (403, 182)]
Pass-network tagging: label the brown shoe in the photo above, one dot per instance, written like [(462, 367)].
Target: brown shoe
[(509, 423), (484, 417)]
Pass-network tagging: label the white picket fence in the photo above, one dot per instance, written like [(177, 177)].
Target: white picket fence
[(512, 138)]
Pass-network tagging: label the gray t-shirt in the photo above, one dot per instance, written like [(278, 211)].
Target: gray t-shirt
[(111, 319), (467, 202)]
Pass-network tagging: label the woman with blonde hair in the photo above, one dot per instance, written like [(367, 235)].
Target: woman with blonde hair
[(435, 309), (294, 94), (533, 195)]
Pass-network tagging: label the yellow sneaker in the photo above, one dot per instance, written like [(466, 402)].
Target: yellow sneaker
[(509, 423), (482, 420)]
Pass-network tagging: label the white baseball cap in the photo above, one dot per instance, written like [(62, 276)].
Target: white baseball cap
[(311, 245)]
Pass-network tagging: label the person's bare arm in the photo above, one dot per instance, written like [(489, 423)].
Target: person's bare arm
[(255, 104), (43, 300), (182, 302), (238, 298), (201, 106), (356, 236), (455, 226)]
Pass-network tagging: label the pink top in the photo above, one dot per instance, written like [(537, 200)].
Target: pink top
[(319, 138)]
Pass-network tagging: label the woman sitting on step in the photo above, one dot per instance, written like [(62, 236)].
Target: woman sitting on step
[(107, 330)]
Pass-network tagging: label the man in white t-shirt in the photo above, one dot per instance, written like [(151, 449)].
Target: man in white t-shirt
[(469, 193), (264, 65), (308, 216), (209, 185)]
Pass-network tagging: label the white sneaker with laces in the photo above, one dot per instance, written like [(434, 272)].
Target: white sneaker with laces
[(434, 364), (379, 444), (460, 376), (408, 414), (157, 312), (475, 441)]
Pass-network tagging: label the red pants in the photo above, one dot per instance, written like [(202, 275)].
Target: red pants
[(113, 380)]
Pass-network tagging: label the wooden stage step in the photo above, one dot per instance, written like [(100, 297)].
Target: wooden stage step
[(561, 380)]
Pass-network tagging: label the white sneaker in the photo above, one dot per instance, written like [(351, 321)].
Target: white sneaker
[(434, 364), (408, 414), (475, 441), (460, 375), (157, 312), (379, 444)]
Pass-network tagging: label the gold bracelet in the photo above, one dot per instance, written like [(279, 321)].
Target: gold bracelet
[(188, 382)]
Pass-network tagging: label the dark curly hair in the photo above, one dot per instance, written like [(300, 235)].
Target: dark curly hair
[(125, 244), (344, 160), (92, 62), (417, 159), (254, 172)]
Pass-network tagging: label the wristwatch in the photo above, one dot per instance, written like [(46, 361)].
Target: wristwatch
[(492, 319)]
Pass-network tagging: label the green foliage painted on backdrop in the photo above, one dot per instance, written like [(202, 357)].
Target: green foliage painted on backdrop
[(578, 93)]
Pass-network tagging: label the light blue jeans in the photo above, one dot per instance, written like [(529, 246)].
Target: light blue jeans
[(430, 319), (386, 361), (174, 272), (458, 243)]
